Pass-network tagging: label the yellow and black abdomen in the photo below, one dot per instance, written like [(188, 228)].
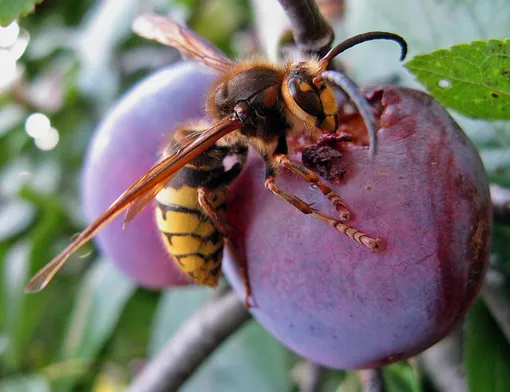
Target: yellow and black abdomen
[(188, 233), (192, 206)]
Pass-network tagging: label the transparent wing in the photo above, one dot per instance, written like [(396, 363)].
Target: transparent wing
[(190, 44), (137, 196)]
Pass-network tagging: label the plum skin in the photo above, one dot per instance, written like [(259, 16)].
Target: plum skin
[(330, 299), (125, 145)]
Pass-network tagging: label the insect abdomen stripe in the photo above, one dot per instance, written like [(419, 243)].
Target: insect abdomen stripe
[(214, 238), (207, 258), (175, 208)]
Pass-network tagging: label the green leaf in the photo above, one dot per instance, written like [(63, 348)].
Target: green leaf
[(25, 383), (12, 9), (130, 338), (473, 79), (100, 301), (23, 313), (332, 379), (175, 306), (14, 273), (486, 352), (228, 15), (350, 383), (250, 360), (401, 377)]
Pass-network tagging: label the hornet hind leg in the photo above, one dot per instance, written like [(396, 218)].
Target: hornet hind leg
[(305, 208), (223, 227), (312, 178), (279, 159)]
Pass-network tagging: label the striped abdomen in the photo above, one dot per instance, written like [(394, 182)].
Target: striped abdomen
[(188, 233)]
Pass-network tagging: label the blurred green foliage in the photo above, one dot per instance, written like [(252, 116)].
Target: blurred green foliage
[(12, 9), (486, 352), (92, 329)]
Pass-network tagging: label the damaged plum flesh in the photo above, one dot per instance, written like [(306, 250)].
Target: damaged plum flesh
[(424, 195)]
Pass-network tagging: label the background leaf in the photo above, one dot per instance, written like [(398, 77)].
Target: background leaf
[(175, 306), (12, 9), (100, 301), (487, 353), (250, 360), (24, 313), (401, 377), (25, 383), (15, 271), (130, 339), (351, 383), (473, 79)]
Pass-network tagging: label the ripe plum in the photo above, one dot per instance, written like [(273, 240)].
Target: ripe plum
[(425, 195), (125, 145)]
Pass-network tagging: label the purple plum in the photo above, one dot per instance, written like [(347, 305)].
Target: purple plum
[(125, 145), (424, 195)]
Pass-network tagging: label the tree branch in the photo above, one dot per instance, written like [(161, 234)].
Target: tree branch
[(500, 204), (195, 340), (372, 380), (311, 32)]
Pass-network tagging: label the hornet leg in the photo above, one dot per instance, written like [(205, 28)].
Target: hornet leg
[(212, 212), (280, 158), (312, 178), (224, 228), (305, 208)]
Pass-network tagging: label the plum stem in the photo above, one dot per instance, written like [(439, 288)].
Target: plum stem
[(372, 380), (192, 344)]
